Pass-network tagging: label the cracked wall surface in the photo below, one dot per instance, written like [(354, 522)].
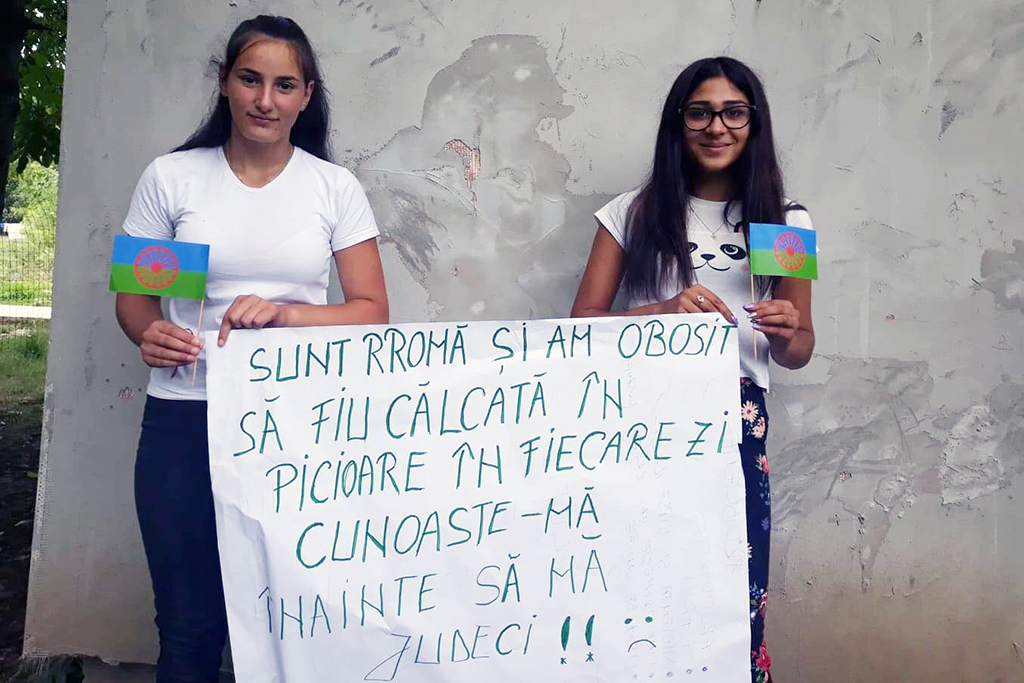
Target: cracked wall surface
[(485, 134)]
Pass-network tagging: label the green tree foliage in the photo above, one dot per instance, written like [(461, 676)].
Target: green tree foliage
[(14, 208), (37, 197), (37, 130)]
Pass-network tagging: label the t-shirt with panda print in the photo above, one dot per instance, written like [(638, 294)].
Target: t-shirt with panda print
[(720, 263)]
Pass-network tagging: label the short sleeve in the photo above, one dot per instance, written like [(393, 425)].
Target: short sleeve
[(613, 216), (356, 222), (799, 218), (149, 214)]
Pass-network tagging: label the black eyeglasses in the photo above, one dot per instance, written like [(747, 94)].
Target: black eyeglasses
[(735, 117)]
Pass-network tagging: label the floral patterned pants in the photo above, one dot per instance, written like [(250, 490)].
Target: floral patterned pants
[(759, 520)]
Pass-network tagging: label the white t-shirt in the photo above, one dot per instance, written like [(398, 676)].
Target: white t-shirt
[(276, 241), (720, 263)]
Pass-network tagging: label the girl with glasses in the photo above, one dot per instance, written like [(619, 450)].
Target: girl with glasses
[(679, 244)]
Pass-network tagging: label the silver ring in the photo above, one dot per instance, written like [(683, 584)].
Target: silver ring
[(700, 298)]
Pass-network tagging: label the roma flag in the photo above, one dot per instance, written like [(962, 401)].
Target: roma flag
[(159, 267), (783, 250)]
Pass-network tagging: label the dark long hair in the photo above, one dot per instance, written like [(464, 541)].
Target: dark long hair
[(311, 128), (656, 236)]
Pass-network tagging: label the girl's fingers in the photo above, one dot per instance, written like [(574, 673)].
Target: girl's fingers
[(163, 358), (180, 334), (225, 328), (246, 312), (777, 321), (265, 316), (769, 307), (258, 315), (167, 353), (714, 304), (776, 331), (685, 305), (165, 333), (176, 343), (239, 306)]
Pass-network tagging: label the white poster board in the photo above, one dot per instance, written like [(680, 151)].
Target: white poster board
[(491, 501)]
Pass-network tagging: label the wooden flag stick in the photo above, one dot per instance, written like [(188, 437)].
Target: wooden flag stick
[(753, 299), (199, 330)]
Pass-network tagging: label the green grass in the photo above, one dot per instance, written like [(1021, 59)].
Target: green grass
[(26, 293), (25, 278), (23, 347)]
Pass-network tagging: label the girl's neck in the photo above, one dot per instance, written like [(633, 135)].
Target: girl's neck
[(256, 164), (714, 187)]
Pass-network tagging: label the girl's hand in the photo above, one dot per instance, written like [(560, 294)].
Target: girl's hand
[(697, 299), (165, 345), (250, 311), (777, 318)]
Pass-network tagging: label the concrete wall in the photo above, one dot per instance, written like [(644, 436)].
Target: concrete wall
[(896, 454)]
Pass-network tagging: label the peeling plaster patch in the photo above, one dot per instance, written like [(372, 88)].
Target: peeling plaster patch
[(955, 208), (984, 446), (500, 224), (892, 490), (1003, 274), (864, 447), (470, 157), (971, 468), (949, 115), (386, 56)]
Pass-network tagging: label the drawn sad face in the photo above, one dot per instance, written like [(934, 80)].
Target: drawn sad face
[(640, 644), (720, 257)]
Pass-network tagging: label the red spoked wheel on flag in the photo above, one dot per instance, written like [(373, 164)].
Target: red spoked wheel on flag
[(156, 267), (789, 251)]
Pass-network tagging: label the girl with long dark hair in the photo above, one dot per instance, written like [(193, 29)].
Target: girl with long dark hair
[(256, 183), (679, 244)]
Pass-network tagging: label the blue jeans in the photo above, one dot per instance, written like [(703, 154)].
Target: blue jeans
[(174, 501)]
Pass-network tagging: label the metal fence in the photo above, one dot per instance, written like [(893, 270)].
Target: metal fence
[(26, 289)]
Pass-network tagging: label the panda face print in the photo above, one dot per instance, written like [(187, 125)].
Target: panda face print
[(720, 259)]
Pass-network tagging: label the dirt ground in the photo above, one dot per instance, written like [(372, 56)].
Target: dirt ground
[(20, 427)]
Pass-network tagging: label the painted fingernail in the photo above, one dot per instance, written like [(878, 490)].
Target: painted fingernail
[(749, 307)]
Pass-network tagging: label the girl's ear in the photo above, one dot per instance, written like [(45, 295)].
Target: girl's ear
[(222, 80), (309, 94)]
